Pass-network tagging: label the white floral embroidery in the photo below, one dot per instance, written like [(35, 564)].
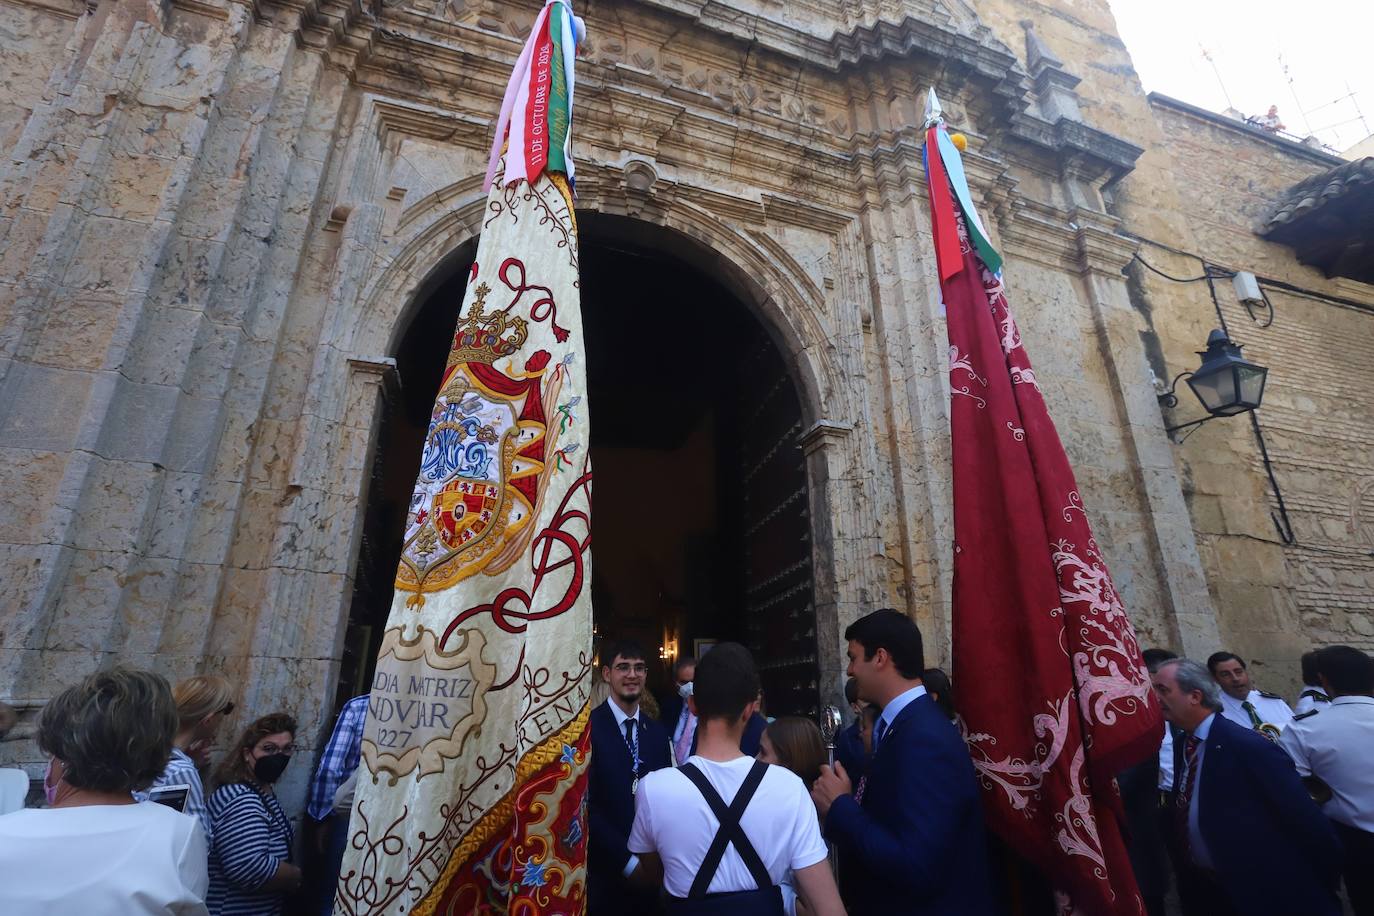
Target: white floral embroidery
[(963, 364)]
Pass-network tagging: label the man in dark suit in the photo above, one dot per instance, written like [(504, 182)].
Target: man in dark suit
[(914, 835), (1251, 839), (626, 744)]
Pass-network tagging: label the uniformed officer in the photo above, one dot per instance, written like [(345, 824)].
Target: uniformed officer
[(1266, 713), (1312, 696), (1335, 745)]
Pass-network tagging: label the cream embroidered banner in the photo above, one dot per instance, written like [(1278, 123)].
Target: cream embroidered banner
[(476, 742)]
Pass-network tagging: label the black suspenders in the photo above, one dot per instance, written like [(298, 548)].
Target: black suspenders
[(730, 830)]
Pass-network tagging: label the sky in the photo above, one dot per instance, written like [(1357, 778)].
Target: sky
[(1327, 46)]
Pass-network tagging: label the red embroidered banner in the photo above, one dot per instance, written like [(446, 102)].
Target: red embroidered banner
[(1054, 697)]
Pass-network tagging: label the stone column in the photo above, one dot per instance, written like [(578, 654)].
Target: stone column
[(1104, 253)]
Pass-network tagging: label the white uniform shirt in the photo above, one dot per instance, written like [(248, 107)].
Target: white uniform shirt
[(1270, 709), (1166, 760), (1337, 746), (1311, 698), (673, 820), (115, 860)]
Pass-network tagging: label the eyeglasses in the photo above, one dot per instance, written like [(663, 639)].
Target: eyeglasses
[(269, 749), (627, 668)]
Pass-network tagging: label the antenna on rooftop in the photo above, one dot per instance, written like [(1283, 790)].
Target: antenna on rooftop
[(1207, 55), (1293, 89)]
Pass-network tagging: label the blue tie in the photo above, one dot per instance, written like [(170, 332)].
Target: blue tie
[(878, 731), (632, 740)]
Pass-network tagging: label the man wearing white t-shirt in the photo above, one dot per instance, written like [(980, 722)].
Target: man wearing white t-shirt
[(722, 830)]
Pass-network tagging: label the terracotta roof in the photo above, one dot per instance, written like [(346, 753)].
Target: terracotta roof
[(1315, 192)]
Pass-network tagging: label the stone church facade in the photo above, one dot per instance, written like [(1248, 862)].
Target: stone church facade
[(217, 219)]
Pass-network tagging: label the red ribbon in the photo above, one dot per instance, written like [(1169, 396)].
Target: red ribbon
[(948, 255)]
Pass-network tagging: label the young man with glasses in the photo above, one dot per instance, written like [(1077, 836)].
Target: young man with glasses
[(626, 745)]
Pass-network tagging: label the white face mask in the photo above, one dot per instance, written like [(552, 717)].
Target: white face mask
[(685, 690)]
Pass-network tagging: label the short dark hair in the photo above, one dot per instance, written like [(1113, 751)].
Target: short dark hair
[(681, 663), (627, 649), (113, 731), (1156, 657), (1311, 673), (851, 691), (937, 682), (233, 768), (1349, 671), (726, 682), (895, 632), (1216, 658)]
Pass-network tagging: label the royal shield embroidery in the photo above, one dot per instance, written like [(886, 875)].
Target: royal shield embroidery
[(483, 469)]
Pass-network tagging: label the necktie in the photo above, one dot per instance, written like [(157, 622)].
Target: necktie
[(878, 731), (632, 741), (1185, 794), (683, 748), (1249, 707)]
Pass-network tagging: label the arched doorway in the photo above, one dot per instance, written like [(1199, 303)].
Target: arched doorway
[(701, 527)]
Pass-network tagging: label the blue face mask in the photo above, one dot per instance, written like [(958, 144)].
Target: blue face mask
[(685, 690)]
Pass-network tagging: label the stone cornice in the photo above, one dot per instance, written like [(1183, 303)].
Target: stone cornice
[(1096, 153)]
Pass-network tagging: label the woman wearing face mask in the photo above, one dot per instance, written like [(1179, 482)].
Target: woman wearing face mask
[(94, 849), (250, 868), (202, 703)]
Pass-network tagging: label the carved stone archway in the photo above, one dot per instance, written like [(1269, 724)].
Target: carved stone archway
[(436, 232)]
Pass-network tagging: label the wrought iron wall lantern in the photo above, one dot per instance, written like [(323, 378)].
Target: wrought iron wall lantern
[(1226, 383)]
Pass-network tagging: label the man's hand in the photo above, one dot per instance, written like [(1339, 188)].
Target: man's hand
[(830, 785)]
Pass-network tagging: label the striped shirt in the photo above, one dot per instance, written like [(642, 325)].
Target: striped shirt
[(252, 839), (340, 757), (181, 771)]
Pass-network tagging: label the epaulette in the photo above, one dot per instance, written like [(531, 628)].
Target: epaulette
[(1306, 715), (1270, 696)]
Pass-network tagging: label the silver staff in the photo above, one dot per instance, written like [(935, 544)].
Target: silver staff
[(830, 723)]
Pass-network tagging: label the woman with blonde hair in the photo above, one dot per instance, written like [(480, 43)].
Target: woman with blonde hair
[(203, 702)]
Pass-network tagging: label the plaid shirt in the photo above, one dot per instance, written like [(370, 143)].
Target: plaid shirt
[(340, 758)]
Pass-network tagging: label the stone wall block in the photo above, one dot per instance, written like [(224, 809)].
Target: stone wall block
[(76, 330), (188, 622), (273, 445), (243, 597), (147, 588), (88, 616), (194, 436), (107, 256), (112, 514), (40, 407), (211, 522), (212, 361), (140, 418)]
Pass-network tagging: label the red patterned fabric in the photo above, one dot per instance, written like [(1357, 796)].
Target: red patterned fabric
[(1053, 695)]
